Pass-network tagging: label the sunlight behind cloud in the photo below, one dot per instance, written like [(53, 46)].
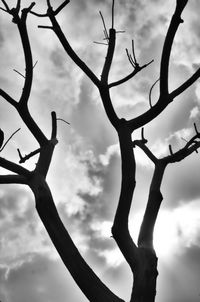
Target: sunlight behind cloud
[(175, 230)]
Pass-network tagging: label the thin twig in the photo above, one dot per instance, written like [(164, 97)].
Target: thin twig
[(35, 64), (104, 25), (195, 127), (170, 150), (9, 139), (60, 119), (19, 73), (133, 51), (150, 103), (101, 43), (120, 31), (184, 139), (45, 27)]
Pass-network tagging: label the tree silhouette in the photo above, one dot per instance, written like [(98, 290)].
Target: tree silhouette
[(140, 256)]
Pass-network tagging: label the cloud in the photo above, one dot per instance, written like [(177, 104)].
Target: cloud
[(38, 278), (85, 171), (176, 229), (20, 229), (194, 113)]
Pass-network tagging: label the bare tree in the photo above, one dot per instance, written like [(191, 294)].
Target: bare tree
[(140, 256)]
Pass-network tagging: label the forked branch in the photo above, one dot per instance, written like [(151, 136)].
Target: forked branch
[(136, 67)]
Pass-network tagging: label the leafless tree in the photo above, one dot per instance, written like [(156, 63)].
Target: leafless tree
[(140, 256)]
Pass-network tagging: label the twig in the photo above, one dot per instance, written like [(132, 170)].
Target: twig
[(45, 27), (19, 73), (104, 25), (26, 157), (9, 139), (170, 150), (35, 64), (150, 103), (120, 31), (195, 127), (133, 51), (184, 139), (60, 119), (101, 43)]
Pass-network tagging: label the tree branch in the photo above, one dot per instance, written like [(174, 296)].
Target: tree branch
[(28, 59), (109, 56), (8, 98), (69, 50), (93, 288), (164, 67), (120, 228), (145, 238), (8, 165), (131, 75), (185, 85), (13, 179), (3, 146)]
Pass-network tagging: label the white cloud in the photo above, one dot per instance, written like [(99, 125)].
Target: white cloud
[(194, 113), (175, 229), (111, 151), (112, 256)]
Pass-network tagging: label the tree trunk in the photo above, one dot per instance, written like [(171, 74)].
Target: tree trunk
[(145, 275)]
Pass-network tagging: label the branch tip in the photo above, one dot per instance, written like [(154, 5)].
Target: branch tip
[(170, 150), (196, 130), (113, 11), (150, 92)]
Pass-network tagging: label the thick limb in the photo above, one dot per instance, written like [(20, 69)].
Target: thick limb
[(86, 279)]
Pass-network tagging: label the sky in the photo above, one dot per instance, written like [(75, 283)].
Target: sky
[(85, 172)]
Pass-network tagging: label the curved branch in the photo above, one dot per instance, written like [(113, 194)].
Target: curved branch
[(131, 75), (173, 27), (120, 228), (1, 149), (28, 61), (93, 288)]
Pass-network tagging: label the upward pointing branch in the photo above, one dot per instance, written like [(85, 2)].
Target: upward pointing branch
[(69, 50), (113, 11), (109, 56), (174, 24)]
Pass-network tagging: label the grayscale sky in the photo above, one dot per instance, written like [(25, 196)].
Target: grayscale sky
[(85, 171)]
